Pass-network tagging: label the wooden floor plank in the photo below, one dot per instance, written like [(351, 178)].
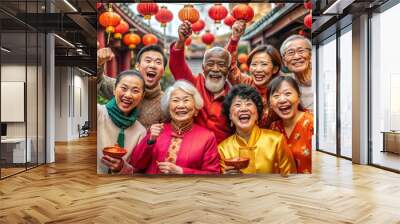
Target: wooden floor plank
[(70, 191)]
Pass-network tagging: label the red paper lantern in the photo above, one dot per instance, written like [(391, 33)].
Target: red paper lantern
[(308, 5), (109, 20), (243, 12), (308, 21), (242, 58), (244, 68), (207, 38), (149, 39), (131, 40), (189, 13), (229, 20), (122, 28), (198, 26), (217, 12), (188, 41), (147, 9), (164, 16)]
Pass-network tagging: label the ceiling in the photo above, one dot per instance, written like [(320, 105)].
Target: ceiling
[(23, 22)]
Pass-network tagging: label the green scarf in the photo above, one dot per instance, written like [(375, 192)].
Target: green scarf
[(120, 120)]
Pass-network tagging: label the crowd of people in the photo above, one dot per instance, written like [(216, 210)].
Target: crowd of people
[(203, 120)]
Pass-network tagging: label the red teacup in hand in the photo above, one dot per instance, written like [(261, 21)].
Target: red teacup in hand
[(114, 151)]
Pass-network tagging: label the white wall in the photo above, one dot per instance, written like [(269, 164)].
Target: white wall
[(71, 97)]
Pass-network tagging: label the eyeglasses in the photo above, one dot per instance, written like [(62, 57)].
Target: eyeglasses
[(300, 51)]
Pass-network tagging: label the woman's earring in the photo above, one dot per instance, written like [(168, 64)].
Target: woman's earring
[(231, 124)]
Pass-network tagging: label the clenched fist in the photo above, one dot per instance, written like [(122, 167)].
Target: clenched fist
[(104, 55), (184, 32), (155, 131), (238, 29)]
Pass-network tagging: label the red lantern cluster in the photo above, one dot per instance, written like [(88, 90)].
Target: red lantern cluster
[(242, 58), (189, 13), (229, 20), (217, 12), (198, 26), (164, 16), (207, 38), (122, 28), (243, 12), (149, 39), (109, 20), (147, 9), (244, 67)]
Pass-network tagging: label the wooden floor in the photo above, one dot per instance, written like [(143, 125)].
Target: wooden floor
[(70, 191)]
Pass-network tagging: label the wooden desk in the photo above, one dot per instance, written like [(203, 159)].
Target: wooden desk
[(391, 141)]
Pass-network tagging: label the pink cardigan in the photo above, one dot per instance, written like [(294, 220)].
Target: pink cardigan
[(198, 153)]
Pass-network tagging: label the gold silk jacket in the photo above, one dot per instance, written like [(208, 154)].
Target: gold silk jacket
[(267, 150)]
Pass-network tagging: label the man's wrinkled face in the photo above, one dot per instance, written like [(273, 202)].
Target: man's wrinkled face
[(216, 68), (297, 56)]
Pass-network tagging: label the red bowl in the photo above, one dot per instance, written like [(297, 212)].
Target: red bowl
[(114, 151), (237, 162)]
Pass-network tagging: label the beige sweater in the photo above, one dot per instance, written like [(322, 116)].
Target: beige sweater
[(107, 134)]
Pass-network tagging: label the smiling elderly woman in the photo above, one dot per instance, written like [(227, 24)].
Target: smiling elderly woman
[(179, 147), (266, 149)]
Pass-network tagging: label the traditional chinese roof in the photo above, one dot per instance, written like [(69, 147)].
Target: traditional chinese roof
[(267, 21)]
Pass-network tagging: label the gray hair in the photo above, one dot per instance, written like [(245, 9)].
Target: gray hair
[(217, 50), (186, 87), (293, 38)]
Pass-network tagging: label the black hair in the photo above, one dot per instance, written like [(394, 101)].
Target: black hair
[(153, 47), (244, 92), (121, 75), (276, 83)]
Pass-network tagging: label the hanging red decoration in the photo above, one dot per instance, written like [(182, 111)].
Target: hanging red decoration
[(242, 58), (198, 26), (243, 67), (188, 41), (189, 13), (164, 16), (131, 40), (149, 39), (308, 5), (302, 33), (120, 29), (109, 20), (243, 12), (147, 9), (308, 21), (98, 5), (229, 20), (217, 12), (207, 38)]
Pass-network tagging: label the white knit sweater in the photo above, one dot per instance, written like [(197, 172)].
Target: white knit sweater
[(107, 134)]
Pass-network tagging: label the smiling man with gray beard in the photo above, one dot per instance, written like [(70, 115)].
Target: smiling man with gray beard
[(212, 84)]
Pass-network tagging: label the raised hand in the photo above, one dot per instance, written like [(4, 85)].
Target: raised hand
[(104, 55), (238, 29), (155, 131), (184, 32)]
